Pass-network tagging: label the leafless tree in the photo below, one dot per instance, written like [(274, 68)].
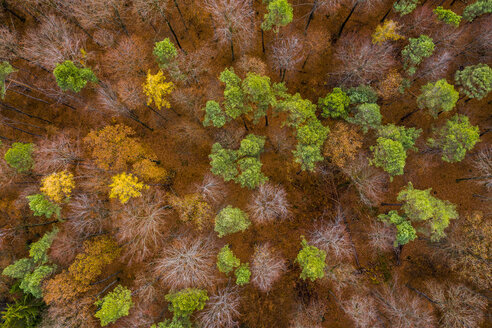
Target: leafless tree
[(52, 42), (127, 58), (9, 44), (269, 203), (436, 67), (56, 154), (146, 289), (342, 276), (483, 164), (309, 315), (221, 310), (187, 263), (87, 214), (362, 62), (381, 237), (141, 225), (232, 21), (139, 317), (266, 267), (130, 92), (421, 21), (251, 64), (333, 238), (362, 310), (98, 13), (212, 188), (286, 53), (65, 247), (104, 38), (459, 306)]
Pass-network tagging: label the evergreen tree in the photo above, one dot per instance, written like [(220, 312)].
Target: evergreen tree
[(447, 16), (362, 94), (335, 104), (223, 162), (257, 90), (307, 156), (475, 80), (70, 77), (214, 115), (367, 116), (480, 7), (5, 70), (24, 313), (19, 156), (405, 7), (243, 274), (438, 96), (231, 220), (114, 305), (455, 138), (405, 136), (226, 261), (251, 146), (165, 53), (416, 50), (311, 260), (40, 205), (280, 13)]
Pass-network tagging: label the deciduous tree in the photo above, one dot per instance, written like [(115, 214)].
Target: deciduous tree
[(126, 186), (311, 260), (19, 156), (343, 145), (114, 305), (221, 309), (387, 31), (279, 13), (157, 90), (58, 186), (438, 96), (335, 104), (226, 260), (475, 80), (70, 77), (269, 203), (447, 16), (266, 267), (231, 220)]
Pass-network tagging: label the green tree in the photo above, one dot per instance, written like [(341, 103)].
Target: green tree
[(226, 261), (223, 162), (299, 110), (231, 220), (242, 274), (481, 7), (405, 7), (24, 313), (415, 51), (455, 138), (389, 155), (307, 156), (312, 133), (311, 260), (251, 146), (165, 53), (19, 156), (368, 116), (438, 96), (335, 104), (362, 94), (279, 13), (40, 205), (406, 136), (251, 175), (405, 232), (175, 323), (233, 94), (5, 70), (420, 205), (258, 91), (70, 77), (447, 16), (114, 305), (475, 80), (214, 115), (186, 301)]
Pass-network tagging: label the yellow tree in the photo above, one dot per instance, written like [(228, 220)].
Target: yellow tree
[(58, 186), (157, 89), (385, 32), (126, 186), (192, 207)]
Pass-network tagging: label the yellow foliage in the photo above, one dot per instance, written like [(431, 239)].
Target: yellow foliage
[(149, 170), (389, 86), (126, 186), (193, 208), (343, 144), (58, 186), (157, 89), (388, 31)]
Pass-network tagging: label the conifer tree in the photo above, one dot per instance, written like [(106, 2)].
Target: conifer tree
[(417, 50), (405, 232), (405, 7), (70, 77), (475, 80), (223, 162), (243, 274), (19, 156), (40, 205), (258, 91), (279, 13), (438, 96), (233, 94), (447, 16), (184, 302), (165, 53), (478, 8)]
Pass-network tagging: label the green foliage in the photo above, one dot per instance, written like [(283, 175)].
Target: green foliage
[(223, 162), (367, 116), (389, 155), (70, 77), (257, 90), (280, 13), (40, 205), (226, 261), (5, 70), (299, 110), (175, 323), (406, 136), (438, 96), (251, 146), (19, 269), (405, 232), (307, 156), (476, 9), (311, 260), (455, 138), (405, 7), (231, 220), (362, 94), (186, 301), (251, 175), (24, 313), (19, 156), (312, 133), (447, 16), (165, 52), (31, 283), (214, 115), (114, 305), (413, 53), (242, 274), (475, 80), (420, 205), (335, 104), (38, 250), (233, 94)]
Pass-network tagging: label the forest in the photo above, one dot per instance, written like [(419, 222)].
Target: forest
[(245, 163)]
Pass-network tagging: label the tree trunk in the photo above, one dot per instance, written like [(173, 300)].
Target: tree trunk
[(283, 74), (136, 119), (391, 204), (346, 20), (262, 41), (398, 251), (245, 126), (120, 21), (386, 15), (180, 15), (311, 15), (474, 178), (16, 15), (266, 119), (26, 114), (26, 132), (232, 48)]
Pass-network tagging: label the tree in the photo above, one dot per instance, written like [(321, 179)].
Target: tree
[(475, 80), (438, 96), (242, 274), (367, 116), (19, 156), (455, 138), (257, 90), (5, 70), (478, 8), (415, 51), (114, 305), (221, 309), (286, 53), (165, 53), (343, 144), (406, 136), (214, 115), (387, 31), (335, 104), (405, 232), (447, 16), (389, 155), (279, 13), (226, 260), (266, 267), (269, 203), (251, 146), (420, 205), (251, 175), (186, 301), (312, 133), (126, 186), (233, 94), (311, 260), (299, 110), (307, 156), (70, 77), (362, 94), (231, 220), (58, 186), (24, 313), (156, 90), (333, 238), (405, 7), (40, 205), (223, 162)]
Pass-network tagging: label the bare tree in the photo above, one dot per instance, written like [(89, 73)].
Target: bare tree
[(251, 64), (382, 236), (232, 21), (65, 247), (483, 164), (309, 315), (362, 310), (9, 44), (98, 13), (286, 53), (436, 67), (212, 188), (333, 238), (56, 154), (127, 58), (221, 310), (87, 214), (421, 21), (323, 6), (362, 61), (269, 203), (266, 267), (187, 263)]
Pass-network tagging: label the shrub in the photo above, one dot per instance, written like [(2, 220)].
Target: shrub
[(335, 104), (19, 156), (242, 274), (70, 77), (114, 305), (231, 220), (311, 261), (226, 261)]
